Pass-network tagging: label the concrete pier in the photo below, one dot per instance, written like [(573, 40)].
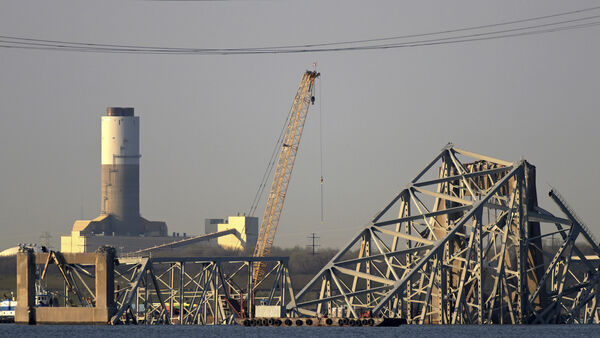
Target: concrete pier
[(103, 309)]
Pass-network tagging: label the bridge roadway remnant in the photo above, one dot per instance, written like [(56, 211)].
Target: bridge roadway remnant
[(101, 288)]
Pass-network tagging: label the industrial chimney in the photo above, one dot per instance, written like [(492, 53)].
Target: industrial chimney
[(121, 170), (120, 224)]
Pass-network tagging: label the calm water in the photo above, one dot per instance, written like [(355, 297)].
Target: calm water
[(563, 331)]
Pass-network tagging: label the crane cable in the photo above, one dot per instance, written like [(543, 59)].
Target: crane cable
[(320, 84), (268, 169)]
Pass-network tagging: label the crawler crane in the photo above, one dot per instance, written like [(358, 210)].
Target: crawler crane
[(283, 173)]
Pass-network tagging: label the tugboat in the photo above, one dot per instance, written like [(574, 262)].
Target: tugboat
[(42, 296)]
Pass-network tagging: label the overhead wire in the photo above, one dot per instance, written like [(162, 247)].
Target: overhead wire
[(80, 44), (354, 45), (438, 32)]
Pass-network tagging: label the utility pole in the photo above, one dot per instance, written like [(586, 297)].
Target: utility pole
[(313, 245)]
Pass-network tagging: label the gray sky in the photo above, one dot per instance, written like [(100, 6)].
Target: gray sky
[(208, 123)]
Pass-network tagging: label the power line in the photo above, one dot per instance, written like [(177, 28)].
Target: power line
[(443, 31), (192, 0), (355, 45), (81, 44), (249, 51)]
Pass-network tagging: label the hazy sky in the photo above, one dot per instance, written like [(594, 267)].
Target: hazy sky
[(209, 123)]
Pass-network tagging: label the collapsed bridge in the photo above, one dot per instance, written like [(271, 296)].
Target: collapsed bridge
[(465, 242)]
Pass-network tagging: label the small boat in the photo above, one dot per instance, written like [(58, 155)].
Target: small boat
[(42, 296), (7, 310), (7, 306)]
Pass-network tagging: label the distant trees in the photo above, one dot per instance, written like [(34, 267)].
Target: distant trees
[(8, 275)]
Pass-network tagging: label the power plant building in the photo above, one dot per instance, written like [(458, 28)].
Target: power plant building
[(246, 234), (120, 223), (212, 224)]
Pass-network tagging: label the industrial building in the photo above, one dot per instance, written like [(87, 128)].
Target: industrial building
[(120, 224), (245, 236)]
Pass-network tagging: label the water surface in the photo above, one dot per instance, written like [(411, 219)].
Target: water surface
[(411, 331)]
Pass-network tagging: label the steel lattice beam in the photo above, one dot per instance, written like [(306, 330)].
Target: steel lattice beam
[(466, 247), (196, 290)]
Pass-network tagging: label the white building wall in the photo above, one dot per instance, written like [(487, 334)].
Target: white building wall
[(246, 236), (123, 244)]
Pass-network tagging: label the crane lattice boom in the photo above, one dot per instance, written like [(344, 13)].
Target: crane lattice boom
[(283, 173)]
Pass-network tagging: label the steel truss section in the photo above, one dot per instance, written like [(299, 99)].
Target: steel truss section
[(466, 247), (196, 290), (78, 281)]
